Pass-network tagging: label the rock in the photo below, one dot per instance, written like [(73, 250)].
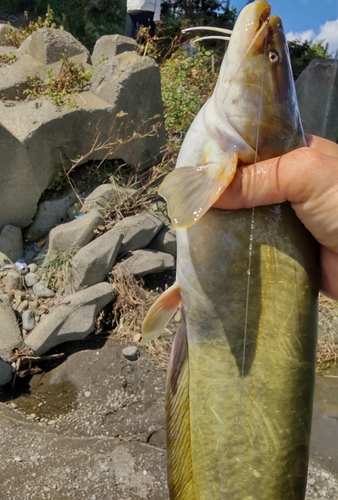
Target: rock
[(12, 279), (317, 91), (138, 231), (5, 372), (28, 320), (48, 45), (49, 214), (93, 262), (116, 81), (10, 335), (42, 291), (33, 267), (109, 46), (100, 197), (31, 279), (73, 319), (22, 306), (11, 243), (73, 235), (36, 132), (142, 262), (164, 241), (131, 352), (13, 77)]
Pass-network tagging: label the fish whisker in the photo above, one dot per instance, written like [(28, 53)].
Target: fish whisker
[(208, 28), (226, 38)]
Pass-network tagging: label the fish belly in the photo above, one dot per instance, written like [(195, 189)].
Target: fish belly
[(239, 397)]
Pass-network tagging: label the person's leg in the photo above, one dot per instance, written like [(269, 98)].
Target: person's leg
[(146, 19), (132, 26)]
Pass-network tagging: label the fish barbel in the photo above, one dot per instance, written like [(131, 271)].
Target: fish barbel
[(241, 372)]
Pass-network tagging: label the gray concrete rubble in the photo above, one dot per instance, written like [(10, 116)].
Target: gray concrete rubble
[(11, 242), (57, 297), (49, 214), (73, 235), (105, 120), (72, 319), (164, 241), (94, 261), (109, 46), (138, 231), (141, 262), (317, 91)]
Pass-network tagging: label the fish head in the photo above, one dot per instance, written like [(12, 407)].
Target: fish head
[(255, 92)]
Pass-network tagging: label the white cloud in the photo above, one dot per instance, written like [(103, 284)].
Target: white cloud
[(301, 35), (328, 33)]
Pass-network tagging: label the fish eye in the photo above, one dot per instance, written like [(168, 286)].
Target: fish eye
[(273, 56)]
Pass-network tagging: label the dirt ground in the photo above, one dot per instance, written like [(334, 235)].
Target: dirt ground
[(91, 427)]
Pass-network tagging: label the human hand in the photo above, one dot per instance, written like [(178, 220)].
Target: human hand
[(308, 178)]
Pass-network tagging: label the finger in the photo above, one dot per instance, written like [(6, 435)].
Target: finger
[(296, 176), (323, 145)]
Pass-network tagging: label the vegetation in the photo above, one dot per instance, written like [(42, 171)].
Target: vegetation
[(60, 89), (187, 82), (16, 37)]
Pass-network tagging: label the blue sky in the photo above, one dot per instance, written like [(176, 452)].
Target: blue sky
[(306, 19)]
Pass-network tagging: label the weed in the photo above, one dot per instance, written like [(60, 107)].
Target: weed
[(9, 58), (187, 82), (61, 89), (57, 270)]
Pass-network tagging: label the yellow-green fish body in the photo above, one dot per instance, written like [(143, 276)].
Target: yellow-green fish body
[(241, 373)]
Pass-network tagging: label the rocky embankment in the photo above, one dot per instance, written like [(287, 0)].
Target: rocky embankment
[(53, 290)]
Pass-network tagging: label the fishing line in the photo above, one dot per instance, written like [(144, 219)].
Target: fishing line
[(252, 224)]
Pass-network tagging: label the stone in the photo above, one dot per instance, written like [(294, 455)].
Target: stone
[(116, 81), (109, 46), (12, 279), (10, 335), (317, 91), (33, 267), (13, 77), (131, 352), (138, 231), (5, 373), (31, 278), (73, 319), (48, 45), (73, 235), (94, 261), (164, 241), (142, 262), (100, 197), (11, 243), (49, 214), (36, 132), (28, 320), (42, 291)]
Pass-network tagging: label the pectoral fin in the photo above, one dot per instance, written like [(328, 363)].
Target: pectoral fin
[(191, 191), (161, 313)]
